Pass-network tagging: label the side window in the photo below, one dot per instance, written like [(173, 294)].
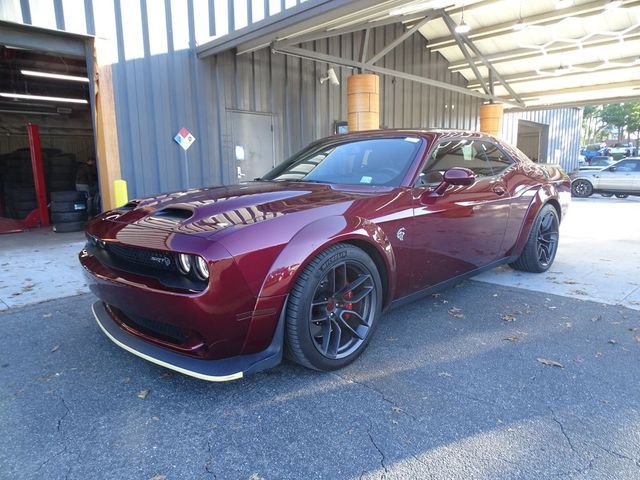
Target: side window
[(498, 160), (455, 153), (629, 166)]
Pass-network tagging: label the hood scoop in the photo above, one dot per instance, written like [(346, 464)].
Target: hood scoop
[(177, 214)]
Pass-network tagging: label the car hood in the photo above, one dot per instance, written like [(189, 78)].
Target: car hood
[(209, 210)]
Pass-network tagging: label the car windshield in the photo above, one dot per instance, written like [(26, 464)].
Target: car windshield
[(378, 161)]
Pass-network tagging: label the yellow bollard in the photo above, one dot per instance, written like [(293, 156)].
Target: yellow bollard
[(120, 197)]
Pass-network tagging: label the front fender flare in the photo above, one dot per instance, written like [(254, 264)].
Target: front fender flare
[(544, 194), (319, 235)]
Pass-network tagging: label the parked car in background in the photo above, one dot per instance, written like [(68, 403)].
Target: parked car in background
[(592, 150), (217, 282), (596, 163), (620, 179)]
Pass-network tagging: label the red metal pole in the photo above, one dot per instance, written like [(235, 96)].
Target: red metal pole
[(38, 173)]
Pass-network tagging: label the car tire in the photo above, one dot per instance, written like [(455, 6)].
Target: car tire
[(542, 245), (65, 217), (68, 196), (61, 207), (343, 328), (607, 195), (621, 195), (581, 188), (68, 227)]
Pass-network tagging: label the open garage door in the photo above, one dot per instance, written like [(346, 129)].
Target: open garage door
[(48, 171)]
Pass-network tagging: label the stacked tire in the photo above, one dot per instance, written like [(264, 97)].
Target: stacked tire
[(68, 211)]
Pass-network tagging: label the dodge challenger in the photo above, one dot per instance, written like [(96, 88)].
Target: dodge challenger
[(221, 282)]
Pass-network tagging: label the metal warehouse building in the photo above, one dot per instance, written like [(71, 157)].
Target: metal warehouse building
[(251, 80)]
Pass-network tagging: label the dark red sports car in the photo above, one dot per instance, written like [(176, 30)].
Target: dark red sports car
[(218, 282)]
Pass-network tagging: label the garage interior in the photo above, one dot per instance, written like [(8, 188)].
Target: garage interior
[(51, 92)]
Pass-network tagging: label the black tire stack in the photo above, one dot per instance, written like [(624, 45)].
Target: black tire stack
[(60, 172), (68, 211)]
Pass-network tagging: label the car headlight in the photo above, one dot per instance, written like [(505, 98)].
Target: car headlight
[(184, 263), (201, 268)]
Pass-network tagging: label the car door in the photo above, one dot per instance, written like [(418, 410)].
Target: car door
[(618, 177), (462, 229)]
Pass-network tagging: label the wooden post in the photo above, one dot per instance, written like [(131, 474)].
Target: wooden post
[(363, 102), (106, 126)]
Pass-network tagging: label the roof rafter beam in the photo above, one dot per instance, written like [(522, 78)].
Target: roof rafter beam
[(581, 103), (529, 53), (403, 37), (285, 49), (548, 18), (617, 64), (452, 28), (583, 89), (487, 63), (321, 35)]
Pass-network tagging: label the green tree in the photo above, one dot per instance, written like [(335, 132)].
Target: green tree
[(616, 115), (633, 120), (593, 128)]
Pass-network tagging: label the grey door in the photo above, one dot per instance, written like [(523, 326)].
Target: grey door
[(253, 146)]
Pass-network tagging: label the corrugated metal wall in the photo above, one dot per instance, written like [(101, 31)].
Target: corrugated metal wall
[(564, 132), (160, 85)]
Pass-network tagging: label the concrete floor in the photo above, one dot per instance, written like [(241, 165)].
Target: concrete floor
[(39, 265)]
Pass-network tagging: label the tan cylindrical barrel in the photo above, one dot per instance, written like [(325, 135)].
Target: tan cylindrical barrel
[(363, 102), (491, 118)]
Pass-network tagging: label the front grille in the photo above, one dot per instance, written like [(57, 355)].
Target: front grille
[(160, 330), (147, 258)]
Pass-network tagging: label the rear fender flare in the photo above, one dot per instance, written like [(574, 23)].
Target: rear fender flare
[(318, 236)]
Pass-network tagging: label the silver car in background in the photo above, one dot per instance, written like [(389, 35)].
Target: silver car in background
[(620, 179)]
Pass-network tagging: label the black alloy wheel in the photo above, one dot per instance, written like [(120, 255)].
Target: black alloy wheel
[(342, 310), (333, 308), (548, 234), (542, 244), (581, 188), (621, 195)]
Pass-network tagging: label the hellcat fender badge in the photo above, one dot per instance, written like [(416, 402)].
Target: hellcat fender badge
[(400, 234)]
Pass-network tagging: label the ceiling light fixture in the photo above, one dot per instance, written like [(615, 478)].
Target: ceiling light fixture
[(612, 4), (560, 4), (518, 27), (462, 27), (55, 76), (22, 96)]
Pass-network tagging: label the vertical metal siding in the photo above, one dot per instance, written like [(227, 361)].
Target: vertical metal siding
[(160, 86), (564, 132)]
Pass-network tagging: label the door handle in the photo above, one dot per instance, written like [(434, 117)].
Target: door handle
[(499, 190)]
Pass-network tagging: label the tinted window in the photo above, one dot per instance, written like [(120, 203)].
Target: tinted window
[(456, 153), (498, 160), (628, 166), (381, 161)]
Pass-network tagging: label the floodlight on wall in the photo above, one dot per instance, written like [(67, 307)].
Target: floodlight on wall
[(54, 76), (332, 77)]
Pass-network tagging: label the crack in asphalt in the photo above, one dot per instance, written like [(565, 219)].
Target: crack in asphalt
[(375, 390), (622, 456), (564, 433), (375, 445), (208, 466), (67, 410)]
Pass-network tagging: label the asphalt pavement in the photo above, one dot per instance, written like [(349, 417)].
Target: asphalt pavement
[(481, 381)]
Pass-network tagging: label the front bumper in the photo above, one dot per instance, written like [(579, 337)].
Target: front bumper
[(211, 370)]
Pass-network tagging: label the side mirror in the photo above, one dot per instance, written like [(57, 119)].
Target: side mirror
[(612, 169), (455, 176)]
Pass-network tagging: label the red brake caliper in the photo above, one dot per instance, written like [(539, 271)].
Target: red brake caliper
[(348, 306)]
